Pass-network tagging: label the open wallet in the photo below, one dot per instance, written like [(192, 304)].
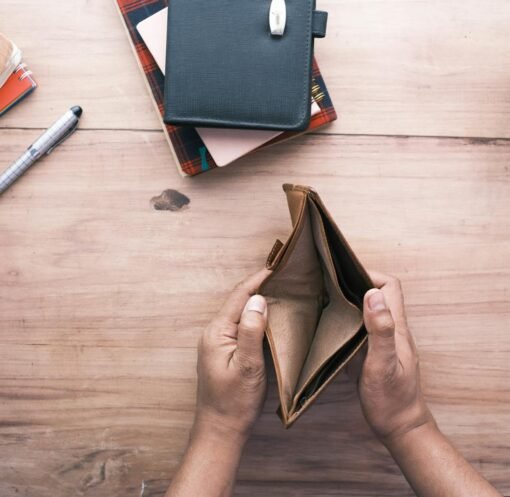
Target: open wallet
[(315, 300)]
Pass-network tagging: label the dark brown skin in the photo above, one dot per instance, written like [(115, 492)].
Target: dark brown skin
[(232, 388)]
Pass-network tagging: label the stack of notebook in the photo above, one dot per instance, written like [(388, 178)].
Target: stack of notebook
[(197, 150), (16, 81)]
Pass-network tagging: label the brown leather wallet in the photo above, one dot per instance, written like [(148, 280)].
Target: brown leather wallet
[(315, 300)]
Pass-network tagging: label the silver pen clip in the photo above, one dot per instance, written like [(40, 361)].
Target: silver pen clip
[(277, 17), (65, 137)]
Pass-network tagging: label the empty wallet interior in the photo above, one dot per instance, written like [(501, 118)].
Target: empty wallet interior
[(314, 295)]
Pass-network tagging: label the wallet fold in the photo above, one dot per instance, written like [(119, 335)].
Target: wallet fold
[(315, 296)]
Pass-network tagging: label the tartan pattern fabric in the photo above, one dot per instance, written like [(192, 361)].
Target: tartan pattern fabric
[(191, 153)]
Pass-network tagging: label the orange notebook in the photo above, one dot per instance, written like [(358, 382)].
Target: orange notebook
[(19, 85)]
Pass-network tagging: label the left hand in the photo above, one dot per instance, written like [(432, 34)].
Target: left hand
[(231, 370)]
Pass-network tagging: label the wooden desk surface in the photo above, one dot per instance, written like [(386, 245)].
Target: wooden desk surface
[(102, 297)]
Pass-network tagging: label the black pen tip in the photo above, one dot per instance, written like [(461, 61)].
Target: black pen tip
[(77, 110)]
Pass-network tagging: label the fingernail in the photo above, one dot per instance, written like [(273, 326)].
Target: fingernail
[(376, 301), (257, 303)]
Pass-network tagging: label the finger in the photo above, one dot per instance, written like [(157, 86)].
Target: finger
[(392, 289), (236, 301), (252, 326), (382, 352), (379, 279)]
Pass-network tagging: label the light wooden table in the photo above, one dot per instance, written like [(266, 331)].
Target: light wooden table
[(102, 298)]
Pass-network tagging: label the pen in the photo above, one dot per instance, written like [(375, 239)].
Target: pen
[(44, 145)]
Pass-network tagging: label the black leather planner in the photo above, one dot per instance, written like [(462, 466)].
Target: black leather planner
[(241, 63)]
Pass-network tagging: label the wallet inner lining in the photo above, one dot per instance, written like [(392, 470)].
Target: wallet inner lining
[(328, 369), (295, 294), (340, 319), (354, 286)]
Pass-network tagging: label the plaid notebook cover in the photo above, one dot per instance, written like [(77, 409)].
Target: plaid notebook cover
[(189, 149)]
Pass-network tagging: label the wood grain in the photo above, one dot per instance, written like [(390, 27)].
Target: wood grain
[(102, 298), (393, 67)]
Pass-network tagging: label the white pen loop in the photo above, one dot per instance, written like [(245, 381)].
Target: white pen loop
[(277, 17)]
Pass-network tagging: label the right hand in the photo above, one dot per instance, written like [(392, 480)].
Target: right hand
[(389, 385)]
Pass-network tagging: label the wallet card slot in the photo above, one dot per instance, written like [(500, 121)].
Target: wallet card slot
[(355, 298), (340, 319), (329, 369), (351, 276)]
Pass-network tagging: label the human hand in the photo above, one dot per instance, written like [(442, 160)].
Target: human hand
[(231, 392), (231, 370), (389, 385)]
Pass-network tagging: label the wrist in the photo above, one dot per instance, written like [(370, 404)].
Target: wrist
[(209, 427), (414, 435)]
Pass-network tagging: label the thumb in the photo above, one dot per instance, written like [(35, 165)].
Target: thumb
[(382, 353), (251, 329)]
